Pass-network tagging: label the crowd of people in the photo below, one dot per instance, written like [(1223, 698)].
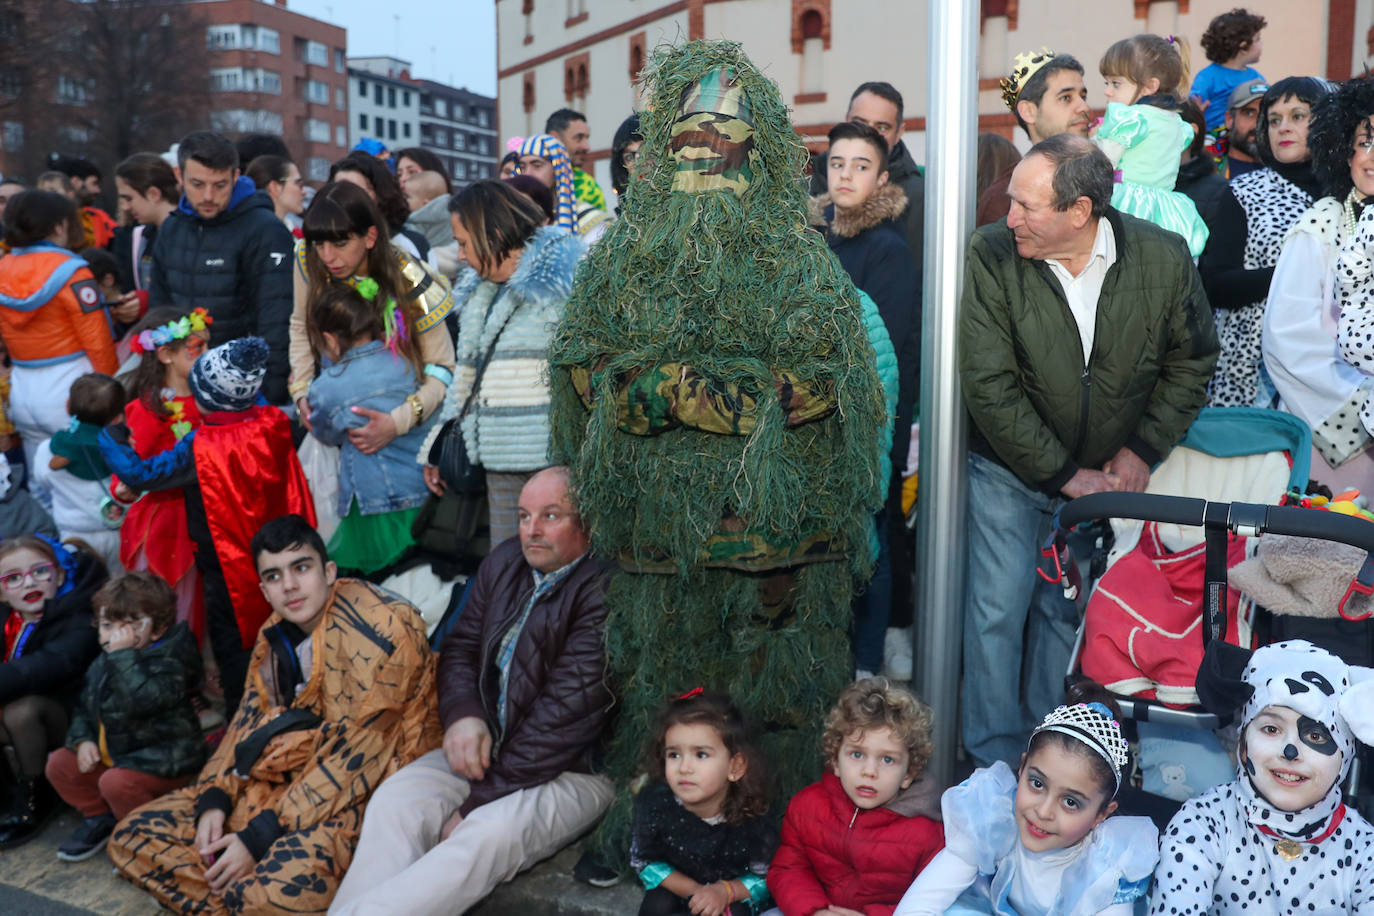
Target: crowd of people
[(673, 431)]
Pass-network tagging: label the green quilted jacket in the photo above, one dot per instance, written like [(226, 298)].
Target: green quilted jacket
[(1035, 406), (142, 697)]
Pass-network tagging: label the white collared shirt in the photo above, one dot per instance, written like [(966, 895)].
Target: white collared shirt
[(1083, 290)]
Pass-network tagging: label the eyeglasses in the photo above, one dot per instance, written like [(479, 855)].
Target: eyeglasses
[(42, 572)]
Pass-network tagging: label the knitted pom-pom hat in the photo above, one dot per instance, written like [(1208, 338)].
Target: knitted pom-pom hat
[(230, 376)]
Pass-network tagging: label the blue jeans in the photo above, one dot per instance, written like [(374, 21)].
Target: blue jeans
[(1018, 629)]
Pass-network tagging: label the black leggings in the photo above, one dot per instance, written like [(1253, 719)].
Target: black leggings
[(33, 726), (663, 902)]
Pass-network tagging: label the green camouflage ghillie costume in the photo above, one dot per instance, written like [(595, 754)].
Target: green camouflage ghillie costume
[(716, 395)]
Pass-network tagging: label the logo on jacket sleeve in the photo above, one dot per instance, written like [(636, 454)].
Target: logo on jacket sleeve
[(277, 257), (87, 295)]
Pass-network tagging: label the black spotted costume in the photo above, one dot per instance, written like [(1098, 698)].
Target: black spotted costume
[(1271, 204), (1230, 851)]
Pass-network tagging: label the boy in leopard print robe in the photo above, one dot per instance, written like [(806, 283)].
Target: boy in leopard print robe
[(340, 694)]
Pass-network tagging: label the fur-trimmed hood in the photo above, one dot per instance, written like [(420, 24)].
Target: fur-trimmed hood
[(544, 276), (886, 204)]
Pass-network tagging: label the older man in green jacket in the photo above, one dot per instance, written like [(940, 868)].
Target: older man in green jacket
[(1085, 347)]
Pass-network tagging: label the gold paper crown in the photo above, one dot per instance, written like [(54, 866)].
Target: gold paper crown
[(1023, 68)]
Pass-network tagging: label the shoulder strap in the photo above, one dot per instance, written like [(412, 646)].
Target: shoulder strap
[(482, 366)]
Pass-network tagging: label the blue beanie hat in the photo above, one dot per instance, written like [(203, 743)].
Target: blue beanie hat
[(230, 376)]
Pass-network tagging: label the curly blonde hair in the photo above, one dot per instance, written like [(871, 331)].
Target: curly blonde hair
[(875, 703)]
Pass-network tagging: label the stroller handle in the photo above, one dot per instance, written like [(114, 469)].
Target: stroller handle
[(1253, 518)]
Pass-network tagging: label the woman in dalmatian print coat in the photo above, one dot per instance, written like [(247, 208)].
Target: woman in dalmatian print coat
[(1313, 375), (1253, 216), (1279, 839)]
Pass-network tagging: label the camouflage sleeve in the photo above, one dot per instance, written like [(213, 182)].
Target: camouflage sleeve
[(674, 394)]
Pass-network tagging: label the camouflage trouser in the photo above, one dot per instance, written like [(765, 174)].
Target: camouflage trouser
[(154, 847)]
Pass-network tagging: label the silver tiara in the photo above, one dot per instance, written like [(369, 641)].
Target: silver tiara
[(1091, 723)]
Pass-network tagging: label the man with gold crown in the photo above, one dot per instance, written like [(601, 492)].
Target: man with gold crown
[(715, 393), (1046, 94)]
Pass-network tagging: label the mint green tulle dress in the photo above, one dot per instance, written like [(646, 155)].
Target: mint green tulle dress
[(1145, 143)]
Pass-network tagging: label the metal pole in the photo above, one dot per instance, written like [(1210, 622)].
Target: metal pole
[(951, 125)]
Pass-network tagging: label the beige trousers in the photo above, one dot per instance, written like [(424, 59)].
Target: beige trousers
[(402, 867)]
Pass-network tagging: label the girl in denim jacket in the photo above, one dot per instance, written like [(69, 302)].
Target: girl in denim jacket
[(381, 492)]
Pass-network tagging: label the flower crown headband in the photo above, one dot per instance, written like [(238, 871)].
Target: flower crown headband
[(149, 340), (1022, 69), (1092, 724)]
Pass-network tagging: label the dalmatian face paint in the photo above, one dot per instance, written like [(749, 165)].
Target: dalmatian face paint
[(1292, 759)]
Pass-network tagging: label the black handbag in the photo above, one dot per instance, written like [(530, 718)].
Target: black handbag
[(450, 453)]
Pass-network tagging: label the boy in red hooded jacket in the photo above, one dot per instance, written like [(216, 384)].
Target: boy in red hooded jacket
[(853, 842)]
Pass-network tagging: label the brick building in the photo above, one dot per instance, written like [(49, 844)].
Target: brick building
[(276, 71)]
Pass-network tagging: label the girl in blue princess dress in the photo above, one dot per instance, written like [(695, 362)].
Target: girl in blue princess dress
[(1144, 141), (1042, 841)]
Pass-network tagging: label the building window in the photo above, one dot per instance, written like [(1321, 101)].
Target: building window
[(362, 120), (317, 169), (70, 91), (405, 98), (440, 137), (339, 64), (460, 169), (481, 146), (483, 117), (13, 136), (426, 103), (245, 79), (222, 37), (576, 81), (460, 140), (362, 88), (391, 97), (317, 131), (405, 130), (10, 84), (339, 101), (340, 135), (638, 42), (268, 39), (527, 91), (377, 93), (246, 121), (317, 92), (317, 54)]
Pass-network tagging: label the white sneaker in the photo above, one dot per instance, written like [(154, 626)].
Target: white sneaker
[(897, 653)]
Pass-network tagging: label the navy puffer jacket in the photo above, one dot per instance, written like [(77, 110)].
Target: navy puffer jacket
[(237, 267)]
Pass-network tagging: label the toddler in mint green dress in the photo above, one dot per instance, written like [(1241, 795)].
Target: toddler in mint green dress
[(1144, 143)]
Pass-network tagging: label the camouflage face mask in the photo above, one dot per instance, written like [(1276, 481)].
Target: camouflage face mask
[(713, 139)]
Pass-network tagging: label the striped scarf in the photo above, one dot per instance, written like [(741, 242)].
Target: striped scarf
[(548, 148)]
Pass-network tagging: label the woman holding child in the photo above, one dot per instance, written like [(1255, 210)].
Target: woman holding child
[(346, 242)]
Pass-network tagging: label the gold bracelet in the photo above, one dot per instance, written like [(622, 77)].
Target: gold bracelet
[(417, 406), (729, 893)]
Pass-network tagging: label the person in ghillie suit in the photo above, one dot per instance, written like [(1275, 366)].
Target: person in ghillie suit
[(715, 393)]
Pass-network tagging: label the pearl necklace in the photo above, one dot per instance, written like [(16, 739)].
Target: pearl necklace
[(1349, 207)]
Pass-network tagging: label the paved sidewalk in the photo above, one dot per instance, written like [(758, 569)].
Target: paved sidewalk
[(34, 882)]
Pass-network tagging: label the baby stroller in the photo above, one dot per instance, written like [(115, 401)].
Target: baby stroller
[(1244, 458)]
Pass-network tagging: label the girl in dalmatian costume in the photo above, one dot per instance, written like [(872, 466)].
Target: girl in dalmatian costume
[(1042, 841), (1279, 839)]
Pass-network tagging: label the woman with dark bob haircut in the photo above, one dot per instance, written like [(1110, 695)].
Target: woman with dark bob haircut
[(509, 299), (1252, 219), (51, 316), (1315, 379), (346, 241)]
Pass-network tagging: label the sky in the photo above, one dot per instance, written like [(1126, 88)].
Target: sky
[(448, 41)]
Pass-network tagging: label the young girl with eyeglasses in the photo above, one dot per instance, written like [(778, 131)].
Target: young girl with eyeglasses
[(46, 589)]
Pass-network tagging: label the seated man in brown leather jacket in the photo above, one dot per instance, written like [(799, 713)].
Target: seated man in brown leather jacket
[(523, 699)]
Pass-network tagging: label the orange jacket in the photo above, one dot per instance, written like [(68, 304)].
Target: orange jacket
[(50, 309)]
